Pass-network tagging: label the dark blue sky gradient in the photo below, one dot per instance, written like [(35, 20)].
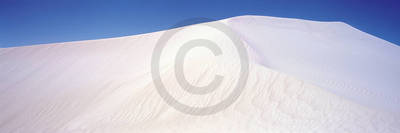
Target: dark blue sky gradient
[(28, 22)]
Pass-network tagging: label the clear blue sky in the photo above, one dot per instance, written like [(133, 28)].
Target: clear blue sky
[(28, 22)]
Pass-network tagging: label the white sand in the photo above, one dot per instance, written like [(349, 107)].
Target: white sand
[(342, 80)]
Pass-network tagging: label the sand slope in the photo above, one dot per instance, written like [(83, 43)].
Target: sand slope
[(305, 76)]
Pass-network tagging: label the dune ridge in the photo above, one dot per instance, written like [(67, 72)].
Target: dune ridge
[(106, 85)]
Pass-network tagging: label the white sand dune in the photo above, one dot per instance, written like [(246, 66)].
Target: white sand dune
[(304, 76)]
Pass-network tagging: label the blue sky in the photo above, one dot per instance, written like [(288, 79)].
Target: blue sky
[(28, 22)]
